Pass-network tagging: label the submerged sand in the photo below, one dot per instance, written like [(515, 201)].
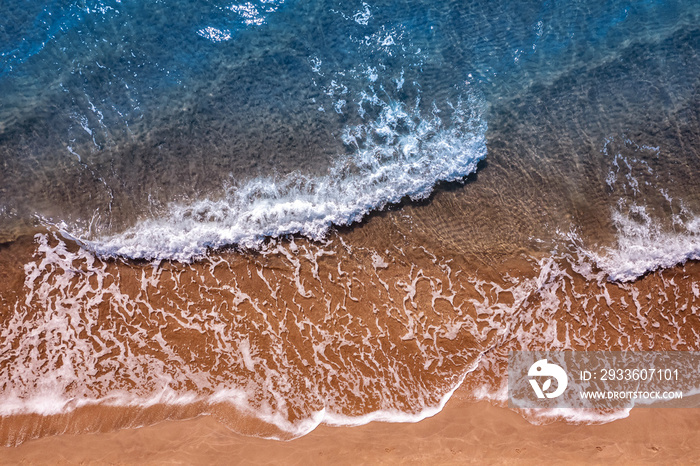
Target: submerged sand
[(464, 432)]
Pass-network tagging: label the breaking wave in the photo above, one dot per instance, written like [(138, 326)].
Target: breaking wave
[(643, 245), (653, 230), (401, 153)]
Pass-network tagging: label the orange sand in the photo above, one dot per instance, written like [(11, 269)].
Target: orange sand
[(463, 432)]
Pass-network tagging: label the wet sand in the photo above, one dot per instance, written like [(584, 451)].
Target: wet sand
[(612, 315), (464, 432)]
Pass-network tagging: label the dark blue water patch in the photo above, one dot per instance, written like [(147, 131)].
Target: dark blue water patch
[(158, 28), (135, 55), (27, 26), (512, 45)]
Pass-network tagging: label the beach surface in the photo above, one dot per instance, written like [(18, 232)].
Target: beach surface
[(464, 432)]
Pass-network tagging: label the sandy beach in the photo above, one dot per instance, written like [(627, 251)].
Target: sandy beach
[(464, 432)]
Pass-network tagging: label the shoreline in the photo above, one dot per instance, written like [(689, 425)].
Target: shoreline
[(464, 431), (152, 439)]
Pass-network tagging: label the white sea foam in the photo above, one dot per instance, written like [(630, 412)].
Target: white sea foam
[(646, 239), (88, 360), (214, 34), (66, 289), (574, 415), (643, 245), (401, 153), (250, 14)]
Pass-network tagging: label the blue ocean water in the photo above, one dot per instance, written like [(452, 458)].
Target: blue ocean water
[(161, 129)]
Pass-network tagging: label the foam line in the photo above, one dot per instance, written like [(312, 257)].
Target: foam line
[(401, 153)]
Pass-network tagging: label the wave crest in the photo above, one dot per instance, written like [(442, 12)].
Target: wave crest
[(400, 153)]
